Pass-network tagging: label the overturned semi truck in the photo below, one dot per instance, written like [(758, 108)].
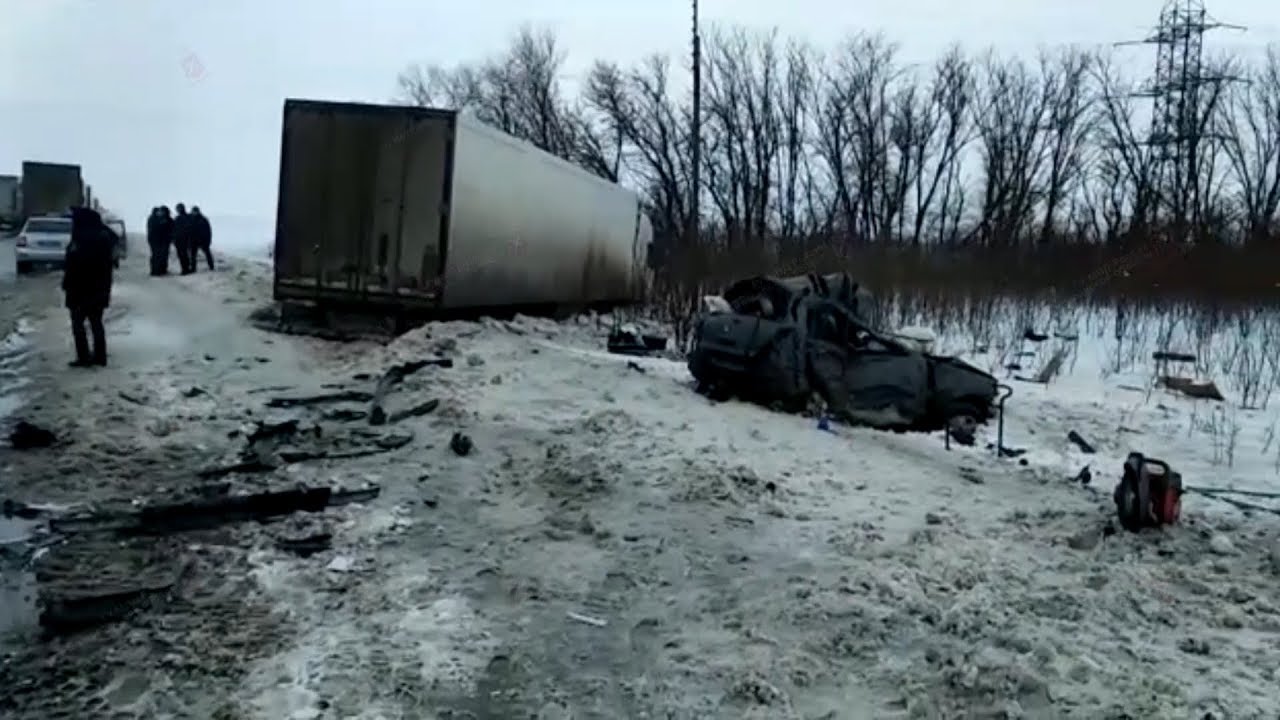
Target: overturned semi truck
[(385, 207)]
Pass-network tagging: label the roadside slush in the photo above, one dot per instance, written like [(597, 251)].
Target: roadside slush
[(17, 582), (133, 430)]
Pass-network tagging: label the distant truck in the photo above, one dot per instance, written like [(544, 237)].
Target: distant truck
[(50, 188), (417, 209), (10, 209)]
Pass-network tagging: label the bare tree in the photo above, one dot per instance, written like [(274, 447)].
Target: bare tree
[(1009, 117), (1067, 125), (1125, 191), (638, 107), (1252, 147), (519, 92), (940, 147), (856, 146)]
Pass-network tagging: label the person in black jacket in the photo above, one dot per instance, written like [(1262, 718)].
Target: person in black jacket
[(158, 241), (184, 239), (203, 237), (86, 283)]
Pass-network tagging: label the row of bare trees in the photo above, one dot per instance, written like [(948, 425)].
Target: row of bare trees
[(855, 146)]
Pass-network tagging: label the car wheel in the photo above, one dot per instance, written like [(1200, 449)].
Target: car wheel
[(22, 267)]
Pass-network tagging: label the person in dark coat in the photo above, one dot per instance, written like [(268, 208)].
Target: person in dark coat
[(164, 236), (203, 237), (86, 283), (159, 245), (184, 239)]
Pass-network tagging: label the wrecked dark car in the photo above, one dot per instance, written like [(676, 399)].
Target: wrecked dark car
[(779, 341)]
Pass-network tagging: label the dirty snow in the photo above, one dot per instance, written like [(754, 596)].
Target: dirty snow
[(618, 546)]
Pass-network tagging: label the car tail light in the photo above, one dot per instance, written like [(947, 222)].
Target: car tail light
[(22, 241)]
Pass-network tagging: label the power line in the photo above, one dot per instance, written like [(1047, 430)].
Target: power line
[(1180, 107)]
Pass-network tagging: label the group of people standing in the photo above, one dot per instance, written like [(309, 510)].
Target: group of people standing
[(188, 233)]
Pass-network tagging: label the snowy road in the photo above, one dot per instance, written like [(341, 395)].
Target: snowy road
[(615, 546)]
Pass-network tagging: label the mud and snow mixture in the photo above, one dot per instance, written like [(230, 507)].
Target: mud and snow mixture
[(606, 543)]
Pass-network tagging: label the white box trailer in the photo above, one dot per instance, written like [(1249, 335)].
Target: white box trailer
[(428, 209)]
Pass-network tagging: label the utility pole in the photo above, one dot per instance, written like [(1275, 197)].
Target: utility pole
[(691, 234)]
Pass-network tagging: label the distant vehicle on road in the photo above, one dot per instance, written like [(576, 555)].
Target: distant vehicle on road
[(122, 237), (42, 241), (50, 188), (10, 206)]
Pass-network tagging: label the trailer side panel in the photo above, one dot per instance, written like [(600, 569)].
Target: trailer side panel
[(529, 228)]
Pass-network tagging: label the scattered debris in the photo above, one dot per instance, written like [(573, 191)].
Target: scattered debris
[(461, 444), (131, 398), (68, 614), (1080, 442), (271, 389), (1194, 646), (252, 465), (26, 436), (627, 340), (1200, 390), (425, 408), (161, 519), (20, 510), (1007, 452), (1050, 369), (1084, 477), (340, 564), (376, 444), (633, 365), (271, 445), (586, 619), (345, 415), (193, 392), (1166, 356), (310, 400), (269, 431), (394, 376), (306, 546)]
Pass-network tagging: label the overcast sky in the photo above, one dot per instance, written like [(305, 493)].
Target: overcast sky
[(163, 101)]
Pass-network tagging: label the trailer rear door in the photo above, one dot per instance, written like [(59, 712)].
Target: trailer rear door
[(362, 203)]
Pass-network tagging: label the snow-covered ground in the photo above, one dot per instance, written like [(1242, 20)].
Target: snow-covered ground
[(618, 546)]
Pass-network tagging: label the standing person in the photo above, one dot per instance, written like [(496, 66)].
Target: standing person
[(164, 236), (153, 242), (183, 240), (203, 237), (86, 283)]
